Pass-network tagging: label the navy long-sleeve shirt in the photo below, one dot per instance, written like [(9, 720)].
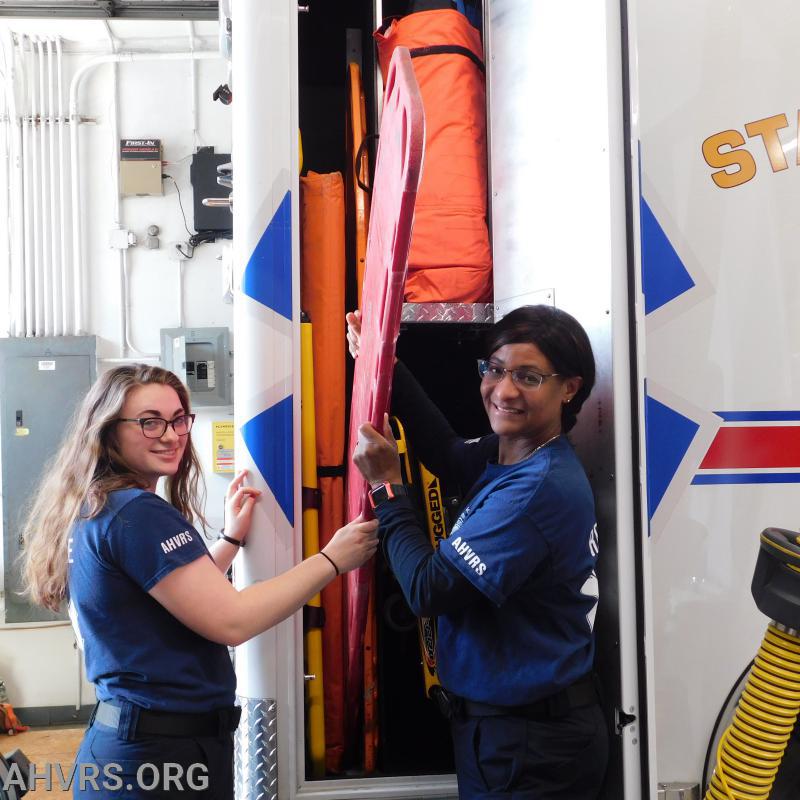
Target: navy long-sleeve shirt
[(514, 585), (431, 584)]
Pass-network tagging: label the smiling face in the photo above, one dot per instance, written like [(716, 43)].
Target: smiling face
[(526, 417), (151, 458)]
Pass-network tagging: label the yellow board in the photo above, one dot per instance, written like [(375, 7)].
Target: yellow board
[(434, 516), (315, 703), (222, 446)]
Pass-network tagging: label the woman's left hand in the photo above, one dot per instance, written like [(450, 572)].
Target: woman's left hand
[(239, 503), (376, 456)]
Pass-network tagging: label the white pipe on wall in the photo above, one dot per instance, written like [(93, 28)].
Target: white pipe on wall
[(117, 200), (8, 121), (16, 216), (181, 312), (27, 212), (193, 65), (55, 266), (78, 665), (114, 58), (38, 277), (44, 263), (62, 201), (129, 346)]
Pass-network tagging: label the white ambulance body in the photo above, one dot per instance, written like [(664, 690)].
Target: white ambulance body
[(643, 159), (719, 179)]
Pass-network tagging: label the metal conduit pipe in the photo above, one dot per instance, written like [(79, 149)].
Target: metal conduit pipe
[(44, 249), (62, 183), (54, 266), (129, 346), (36, 241), (74, 118), (117, 202), (27, 212), (6, 118), (193, 64), (15, 190)]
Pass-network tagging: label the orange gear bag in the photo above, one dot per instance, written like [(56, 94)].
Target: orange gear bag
[(450, 258)]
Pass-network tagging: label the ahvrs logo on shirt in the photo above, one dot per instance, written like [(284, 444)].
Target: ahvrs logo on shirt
[(174, 542), (468, 554)]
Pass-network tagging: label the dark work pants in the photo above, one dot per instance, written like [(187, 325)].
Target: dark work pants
[(513, 758), (153, 767)]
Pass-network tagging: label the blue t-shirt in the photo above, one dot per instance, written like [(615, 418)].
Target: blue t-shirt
[(527, 539), (134, 648)]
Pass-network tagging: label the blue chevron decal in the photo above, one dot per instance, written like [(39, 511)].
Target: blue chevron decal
[(268, 275), (668, 435), (269, 438), (664, 277)]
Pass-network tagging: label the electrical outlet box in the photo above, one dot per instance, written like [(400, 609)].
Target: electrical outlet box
[(200, 357), (140, 167)]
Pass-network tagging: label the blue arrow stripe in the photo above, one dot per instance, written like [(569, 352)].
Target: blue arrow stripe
[(269, 438), (268, 275)]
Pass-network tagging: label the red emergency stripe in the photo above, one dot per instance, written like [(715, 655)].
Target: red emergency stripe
[(754, 447)]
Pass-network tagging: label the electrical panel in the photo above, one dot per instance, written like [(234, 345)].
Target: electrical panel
[(42, 381), (140, 167), (201, 358)]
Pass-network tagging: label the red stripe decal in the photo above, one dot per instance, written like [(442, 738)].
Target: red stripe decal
[(753, 448)]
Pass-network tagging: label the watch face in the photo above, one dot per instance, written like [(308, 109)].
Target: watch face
[(379, 495)]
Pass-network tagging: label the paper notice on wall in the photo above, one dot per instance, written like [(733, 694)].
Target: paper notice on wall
[(222, 443)]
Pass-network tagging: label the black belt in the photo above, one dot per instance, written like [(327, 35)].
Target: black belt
[(579, 694), (163, 723)]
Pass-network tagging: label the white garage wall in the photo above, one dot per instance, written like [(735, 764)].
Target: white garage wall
[(38, 663)]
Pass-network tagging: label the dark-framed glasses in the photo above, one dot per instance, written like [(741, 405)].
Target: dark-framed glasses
[(156, 427), (523, 377)]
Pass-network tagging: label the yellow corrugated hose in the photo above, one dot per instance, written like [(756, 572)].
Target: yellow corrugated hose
[(750, 751)]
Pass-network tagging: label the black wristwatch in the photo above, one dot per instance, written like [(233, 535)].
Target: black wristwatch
[(385, 492)]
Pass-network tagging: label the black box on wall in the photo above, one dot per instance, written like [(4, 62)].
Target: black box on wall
[(203, 174)]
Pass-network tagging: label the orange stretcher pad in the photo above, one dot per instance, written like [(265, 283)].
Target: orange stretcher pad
[(322, 258), (450, 258)]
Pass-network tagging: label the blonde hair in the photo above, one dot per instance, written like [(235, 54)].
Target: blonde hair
[(88, 466)]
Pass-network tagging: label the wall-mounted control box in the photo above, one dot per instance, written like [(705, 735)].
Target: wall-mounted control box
[(140, 167), (200, 357)]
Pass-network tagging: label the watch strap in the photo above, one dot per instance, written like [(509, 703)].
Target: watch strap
[(385, 492)]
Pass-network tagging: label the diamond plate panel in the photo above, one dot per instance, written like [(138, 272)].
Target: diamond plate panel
[(448, 312), (256, 758)]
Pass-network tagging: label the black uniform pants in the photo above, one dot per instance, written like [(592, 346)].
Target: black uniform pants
[(514, 758), (122, 763)]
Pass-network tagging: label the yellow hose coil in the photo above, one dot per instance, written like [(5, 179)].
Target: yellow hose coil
[(750, 751)]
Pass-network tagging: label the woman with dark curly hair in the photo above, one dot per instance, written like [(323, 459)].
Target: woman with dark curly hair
[(514, 587)]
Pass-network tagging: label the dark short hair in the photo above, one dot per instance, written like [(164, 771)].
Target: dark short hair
[(560, 337)]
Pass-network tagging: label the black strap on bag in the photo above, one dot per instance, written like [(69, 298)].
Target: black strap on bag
[(448, 49)]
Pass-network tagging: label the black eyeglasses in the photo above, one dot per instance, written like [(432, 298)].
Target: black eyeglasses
[(523, 377), (156, 427)]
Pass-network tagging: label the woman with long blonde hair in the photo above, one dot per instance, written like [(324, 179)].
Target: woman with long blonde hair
[(150, 602)]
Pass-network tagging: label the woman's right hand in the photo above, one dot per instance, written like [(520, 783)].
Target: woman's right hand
[(353, 544), (353, 319)]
